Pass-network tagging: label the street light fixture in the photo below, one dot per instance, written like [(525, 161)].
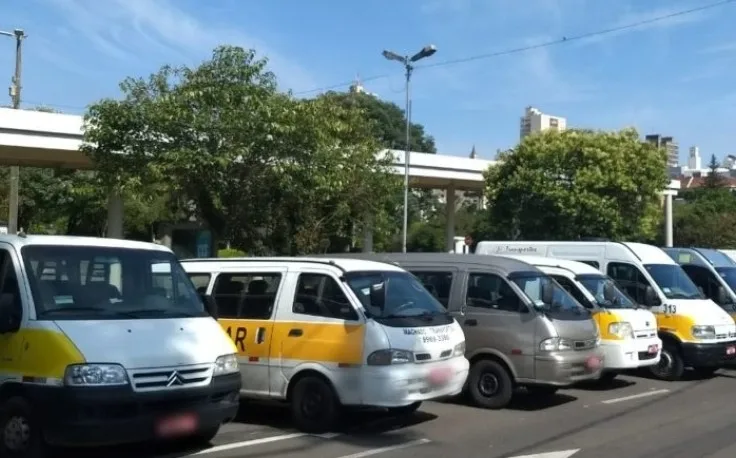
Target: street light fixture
[(407, 62), (15, 89)]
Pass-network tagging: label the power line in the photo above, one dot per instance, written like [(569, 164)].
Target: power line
[(545, 44)]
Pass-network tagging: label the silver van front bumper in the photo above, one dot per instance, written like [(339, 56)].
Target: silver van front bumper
[(565, 368)]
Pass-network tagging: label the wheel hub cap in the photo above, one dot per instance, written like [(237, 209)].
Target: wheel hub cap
[(17, 434), (488, 384)]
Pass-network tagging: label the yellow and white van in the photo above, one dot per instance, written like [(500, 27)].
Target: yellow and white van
[(628, 332), (695, 331), (104, 342), (324, 333)]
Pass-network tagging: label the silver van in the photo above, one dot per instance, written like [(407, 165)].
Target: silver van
[(521, 327)]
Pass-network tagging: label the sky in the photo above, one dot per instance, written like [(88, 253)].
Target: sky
[(673, 77)]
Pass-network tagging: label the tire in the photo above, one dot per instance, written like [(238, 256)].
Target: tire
[(405, 411), (671, 366), (314, 405), (607, 378), (490, 385), (19, 412), (542, 390), (705, 372)]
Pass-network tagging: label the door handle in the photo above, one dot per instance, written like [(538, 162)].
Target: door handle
[(471, 322), (295, 332), (260, 335)]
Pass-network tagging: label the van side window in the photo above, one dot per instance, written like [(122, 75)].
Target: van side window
[(247, 296), (8, 280), (321, 295), (590, 263), (573, 290), (630, 279), (490, 291), (437, 283), (703, 279), (200, 281)]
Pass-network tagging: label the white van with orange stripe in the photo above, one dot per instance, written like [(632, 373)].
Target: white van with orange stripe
[(327, 333)]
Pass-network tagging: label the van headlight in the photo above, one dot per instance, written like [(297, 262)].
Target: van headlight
[(226, 364), (95, 375), (389, 357), (459, 349), (703, 332), (555, 344), (622, 330)]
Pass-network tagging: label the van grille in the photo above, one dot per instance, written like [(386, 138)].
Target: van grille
[(171, 378), (645, 334), (584, 344), (425, 357)]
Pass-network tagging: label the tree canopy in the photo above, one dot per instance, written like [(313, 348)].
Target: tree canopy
[(266, 171), (577, 183)]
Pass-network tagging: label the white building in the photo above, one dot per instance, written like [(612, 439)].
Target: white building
[(536, 121), (694, 161)]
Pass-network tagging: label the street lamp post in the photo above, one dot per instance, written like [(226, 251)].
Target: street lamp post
[(15, 89), (408, 62)]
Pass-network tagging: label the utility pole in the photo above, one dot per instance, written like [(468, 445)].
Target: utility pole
[(15, 90)]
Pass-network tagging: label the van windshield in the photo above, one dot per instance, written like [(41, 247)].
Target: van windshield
[(533, 286), (97, 283), (673, 281), (597, 284), (393, 295), (728, 274)]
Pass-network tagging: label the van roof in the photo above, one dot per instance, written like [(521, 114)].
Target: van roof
[(19, 241), (452, 259), (646, 254), (578, 268), (346, 265)]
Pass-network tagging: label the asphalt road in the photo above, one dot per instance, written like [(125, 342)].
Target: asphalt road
[(636, 417)]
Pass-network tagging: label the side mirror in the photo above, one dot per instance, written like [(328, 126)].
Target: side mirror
[(210, 305), (650, 297), (548, 292), (10, 314), (723, 297), (609, 292)]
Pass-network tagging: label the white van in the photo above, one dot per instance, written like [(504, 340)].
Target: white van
[(103, 342), (695, 332), (325, 333), (628, 332)]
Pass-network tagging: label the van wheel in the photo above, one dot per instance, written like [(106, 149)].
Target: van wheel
[(20, 437), (314, 405), (405, 411), (542, 390), (670, 366), (490, 385)]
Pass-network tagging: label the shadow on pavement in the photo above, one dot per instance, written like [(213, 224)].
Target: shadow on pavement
[(595, 385), (688, 376), (522, 401)]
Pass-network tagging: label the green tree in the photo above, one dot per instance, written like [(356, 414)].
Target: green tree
[(577, 183), (266, 171), (713, 180)]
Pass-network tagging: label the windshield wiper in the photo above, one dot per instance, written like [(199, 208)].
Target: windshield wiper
[(98, 310), (179, 313)]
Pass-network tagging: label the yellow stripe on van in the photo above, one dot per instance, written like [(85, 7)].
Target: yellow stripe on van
[(604, 318), (42, 353), (337, 343), (678, 325)]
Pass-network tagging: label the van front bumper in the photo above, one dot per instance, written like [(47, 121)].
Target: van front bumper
[(404, 384), (708, 354), (97, 416), (631, 354), (566, 368)]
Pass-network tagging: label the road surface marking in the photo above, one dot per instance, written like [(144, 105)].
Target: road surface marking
[(263, 440), (635, 396), (560, 454), (390, 448)]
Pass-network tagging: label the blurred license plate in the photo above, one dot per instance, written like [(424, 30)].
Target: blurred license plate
[(653, 349), (730, 350), (439, 376), (593, 363), (177, 425)]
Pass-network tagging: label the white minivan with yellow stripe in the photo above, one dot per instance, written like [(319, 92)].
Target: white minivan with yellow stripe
[(628, 331), (695, 331), (324, 334), (104, 342)]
